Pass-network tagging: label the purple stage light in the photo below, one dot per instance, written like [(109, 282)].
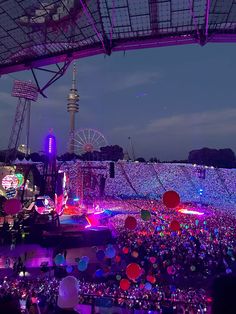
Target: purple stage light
[(50, 144)]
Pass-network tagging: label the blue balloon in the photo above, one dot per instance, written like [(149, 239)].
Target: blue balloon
[(110, 252), (82, 265), (172, 288), (59, 259), (230, 252), (69, 269), (148, 286), (99, 273), (85, 258), (228, 271)]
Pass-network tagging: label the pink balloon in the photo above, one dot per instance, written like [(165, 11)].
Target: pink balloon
[(171, 270), (152, 259), (12, 206)]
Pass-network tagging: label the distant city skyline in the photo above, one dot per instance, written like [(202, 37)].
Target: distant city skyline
[(168, 100)]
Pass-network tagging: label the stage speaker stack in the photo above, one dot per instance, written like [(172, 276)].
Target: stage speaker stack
[(112, 170)]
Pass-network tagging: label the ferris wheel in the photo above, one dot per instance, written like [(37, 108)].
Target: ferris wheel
[(88, 140)]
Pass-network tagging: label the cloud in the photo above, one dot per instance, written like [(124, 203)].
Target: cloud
[(89, 68), (6, 98), (123, 129), (209, 122), (54, 100), (124, 81), (63, 89)]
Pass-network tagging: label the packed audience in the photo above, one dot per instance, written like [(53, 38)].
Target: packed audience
[(178, 263), (149, 180), (44, 293)]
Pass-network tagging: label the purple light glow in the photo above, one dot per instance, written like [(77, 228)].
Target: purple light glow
[(50, 146)]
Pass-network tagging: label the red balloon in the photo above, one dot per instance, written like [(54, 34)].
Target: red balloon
[(141, 286), (117, 258), (151, 279), (125, 250), (12, 206), (171, 199), (175, 225), (130, 223), (133, 271), (124, 284)]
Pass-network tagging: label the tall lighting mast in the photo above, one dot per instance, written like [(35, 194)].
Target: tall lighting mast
[(25, 92), (72, 108)]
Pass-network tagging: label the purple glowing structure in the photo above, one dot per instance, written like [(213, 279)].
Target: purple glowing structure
[(49, 169), (50, 32), (51, 145)]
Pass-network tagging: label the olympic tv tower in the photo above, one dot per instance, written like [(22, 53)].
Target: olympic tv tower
[(72, 108)]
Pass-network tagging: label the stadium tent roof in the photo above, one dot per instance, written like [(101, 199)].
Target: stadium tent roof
[(36, 33)]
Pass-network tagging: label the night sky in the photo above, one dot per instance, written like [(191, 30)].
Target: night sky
[(169, 100)]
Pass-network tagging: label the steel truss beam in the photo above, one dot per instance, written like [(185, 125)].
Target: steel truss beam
[(56, 75), (153, 8), (123, 45), (102, 38), (207, 19)]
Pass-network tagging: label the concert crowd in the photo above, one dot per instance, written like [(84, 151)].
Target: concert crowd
[(178, 265)]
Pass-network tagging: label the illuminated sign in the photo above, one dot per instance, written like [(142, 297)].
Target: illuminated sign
[(10, 181)]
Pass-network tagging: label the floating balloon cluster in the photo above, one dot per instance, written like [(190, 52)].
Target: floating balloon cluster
[(171, 199), (133, 271), (82, 263)]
